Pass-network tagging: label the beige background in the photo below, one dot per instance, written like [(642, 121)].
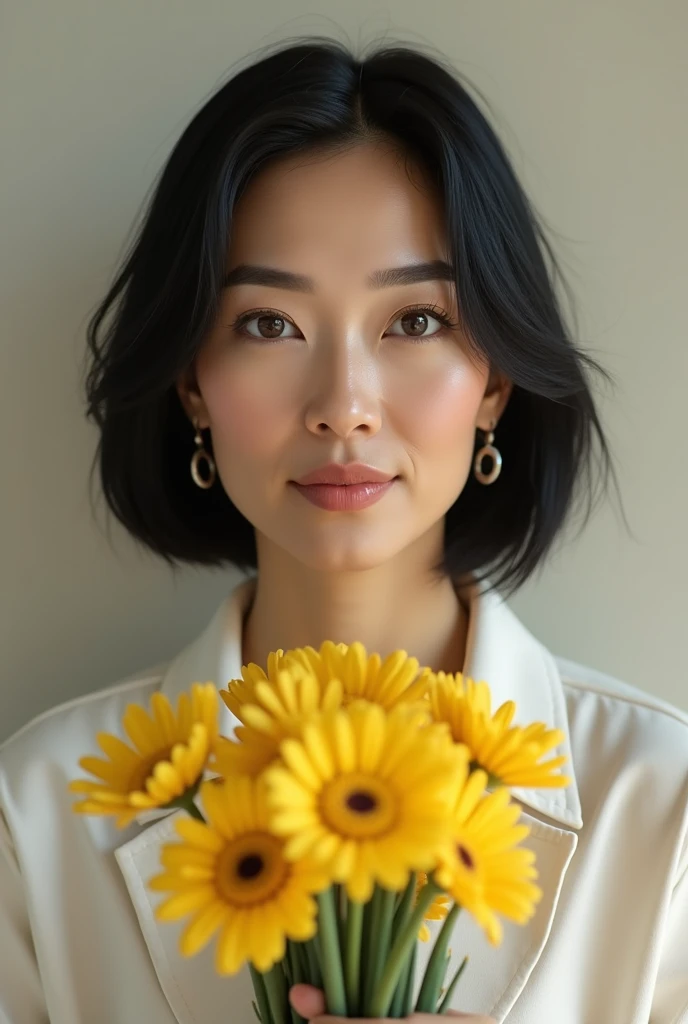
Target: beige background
[(590, 98)]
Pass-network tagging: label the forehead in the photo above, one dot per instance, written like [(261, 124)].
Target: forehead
[(368, 206)]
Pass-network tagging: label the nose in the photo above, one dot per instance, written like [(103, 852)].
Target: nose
[(345, 396)]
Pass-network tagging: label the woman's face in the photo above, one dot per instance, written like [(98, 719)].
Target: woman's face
[(335, 368)]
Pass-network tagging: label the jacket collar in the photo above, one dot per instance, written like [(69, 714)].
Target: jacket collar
[(499, 650)]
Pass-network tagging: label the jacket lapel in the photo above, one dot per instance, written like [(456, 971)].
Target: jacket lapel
[(494, 978), (194, 990), (491, 983), (517, 667)]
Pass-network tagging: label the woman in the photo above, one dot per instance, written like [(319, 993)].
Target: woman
[(337, 358)]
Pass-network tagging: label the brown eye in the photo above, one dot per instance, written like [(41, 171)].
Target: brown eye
[(270, 326), (422, 324), (266, 326), (415, 324)]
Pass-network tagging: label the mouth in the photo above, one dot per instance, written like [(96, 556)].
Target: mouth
[(345, 497)]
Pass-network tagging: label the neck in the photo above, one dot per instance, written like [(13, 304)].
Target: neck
[(393, 606)]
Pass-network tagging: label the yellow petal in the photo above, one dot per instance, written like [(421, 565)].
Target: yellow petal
[(183, 903), (318, 751), (118, 751), (230, 954), (142, 731), (112, 774), (165, 719), (201, 928), (297, 760), (197, 833)]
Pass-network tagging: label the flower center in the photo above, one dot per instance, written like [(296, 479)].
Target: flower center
[(251, 869), (465, 857), (359, 806), (361, 802), (250, 865)]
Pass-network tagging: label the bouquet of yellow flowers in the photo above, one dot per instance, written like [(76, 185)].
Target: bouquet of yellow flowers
[(359, 798)]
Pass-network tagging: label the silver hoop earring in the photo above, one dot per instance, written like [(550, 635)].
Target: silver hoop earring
[(198, 455), (496, 456)]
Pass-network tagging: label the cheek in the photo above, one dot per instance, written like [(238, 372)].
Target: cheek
[(250, 416), (438, 414)]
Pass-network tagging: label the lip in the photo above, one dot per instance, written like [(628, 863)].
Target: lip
[(344, 497), (345, 474)]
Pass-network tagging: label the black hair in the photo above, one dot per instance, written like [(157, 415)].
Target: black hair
[(306, 95)]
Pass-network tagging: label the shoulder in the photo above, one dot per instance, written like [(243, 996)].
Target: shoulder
[(582, 679), (64, 733), (614, 725)]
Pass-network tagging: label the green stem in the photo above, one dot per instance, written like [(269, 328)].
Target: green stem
[(373, 950), (396, 1010), (261, 995), (405, 904), (366, 950), (341, 903), (437, 964), (295, 975), (404, 907), (381, 937), (313, 958), (186, 802), (299, 951), (352, 957), (400, 949), (275, 991), (276, 988), (333, 976), (410, 982), (444, 1005), (290, 965)]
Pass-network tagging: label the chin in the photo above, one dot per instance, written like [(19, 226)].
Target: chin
[(348, 557)]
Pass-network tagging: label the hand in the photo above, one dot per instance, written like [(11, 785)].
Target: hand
[(310, 1003)]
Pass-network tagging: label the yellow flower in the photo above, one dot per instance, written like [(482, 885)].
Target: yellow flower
[(231, 875), (277, 707), (438, 909), (482, 869), (342, 674), (242, 691), (270, 708), (274, 704), (511, 755), (248, 757), (366, 793), (388, 682), (168, 757)]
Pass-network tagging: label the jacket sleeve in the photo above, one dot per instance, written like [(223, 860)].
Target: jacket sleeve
[(21, 993), (670, 998)]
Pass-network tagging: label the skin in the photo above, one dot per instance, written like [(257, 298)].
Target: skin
[(347, 379), (310, 1003)]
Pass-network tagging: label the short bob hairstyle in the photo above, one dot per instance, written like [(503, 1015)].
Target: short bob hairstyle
[(313, 94)]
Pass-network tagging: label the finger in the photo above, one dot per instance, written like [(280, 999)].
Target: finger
[(307, 1001), (471, 1018), (468, 1018)]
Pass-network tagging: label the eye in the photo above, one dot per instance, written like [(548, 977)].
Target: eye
[(416, 320), (269, 325)]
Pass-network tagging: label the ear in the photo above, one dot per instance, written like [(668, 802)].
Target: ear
[(191, 398), (497, 393)]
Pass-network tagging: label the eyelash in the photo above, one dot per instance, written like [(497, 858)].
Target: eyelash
[(435, 311)]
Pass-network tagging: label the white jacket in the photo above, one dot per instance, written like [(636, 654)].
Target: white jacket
[(608, 945)]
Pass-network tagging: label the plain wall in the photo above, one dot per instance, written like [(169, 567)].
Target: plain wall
[(589, 98)]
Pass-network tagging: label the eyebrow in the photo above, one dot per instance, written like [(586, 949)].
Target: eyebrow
[(412, 273)]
